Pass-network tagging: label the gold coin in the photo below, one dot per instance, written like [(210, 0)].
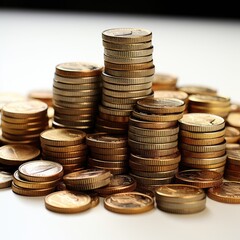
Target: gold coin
[(233, 119), (44, 95), (130, 46), (201, 142), (171, 94), (199, 177), (16, 154), (230, 146), (77, 80), (201, 122), (126, 35), (62, 137), (164, 79), (197, 89), (232, 134), (136, 66), (227, 192), (204, 161), (179, 193), (23, 109), (129, 87), (202, 135), (150, 181), (201, 155), (66, 201), (78, 69), (8, 97), (161, 105), (129, 60), (129, 202), (40, 170), (5, 179)]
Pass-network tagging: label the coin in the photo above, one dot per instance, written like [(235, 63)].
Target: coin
[(5, 179), (66, 201), (16, 154), (129, 202), (227, 192), (201, 122), (197, 89)]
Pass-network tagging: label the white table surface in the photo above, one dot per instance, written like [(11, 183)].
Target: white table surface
[(200, 52)]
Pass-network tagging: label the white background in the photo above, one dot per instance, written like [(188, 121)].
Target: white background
[(199, 52)]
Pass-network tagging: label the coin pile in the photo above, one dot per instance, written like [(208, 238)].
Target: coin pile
[(217, 105), (180, 198), (127, 76), (202, 141), (23, 121), (163, 81), (202, 178), (119, 183), (108, 151), (76, 94), (232, 168), (153, 140), (13, 155), (37, 178), (65, 146), (87, 179)]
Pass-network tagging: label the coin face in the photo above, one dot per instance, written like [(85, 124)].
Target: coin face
[(25, 107), (5, 179), (201, 122), (15, 154), (129, 202), (40, 170), (180, 192), (227, 192), (66, 201)]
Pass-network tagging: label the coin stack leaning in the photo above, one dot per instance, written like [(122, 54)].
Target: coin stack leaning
[(23, 121), (127, 76), (65, 146), (232, 168), (217, 105), (202, 141), (180, 198), (153, 140), (108, 151), (37, 178), (76, 95), (163, 81)]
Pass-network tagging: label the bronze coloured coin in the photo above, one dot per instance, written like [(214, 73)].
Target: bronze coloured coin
[(5, 179)]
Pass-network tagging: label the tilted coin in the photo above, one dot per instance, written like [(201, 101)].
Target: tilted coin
[(66, 201), (5, 179), (129, 202)]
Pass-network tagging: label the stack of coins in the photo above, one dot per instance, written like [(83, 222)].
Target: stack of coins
[(202, 141), (23, 121), (13, 155), (217, 105), (198, 89), (108, 151), (127, 76), (65, 146), (173, 94), (180, 198), (37, 178), (165, 81), (232, 168), (153, 140), (87, 179), (119, 183), (76, 95)]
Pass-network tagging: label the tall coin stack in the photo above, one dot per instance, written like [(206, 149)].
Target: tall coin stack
[(153, 140), (23, 121), (127, 76), (76, 95), (202, 142)]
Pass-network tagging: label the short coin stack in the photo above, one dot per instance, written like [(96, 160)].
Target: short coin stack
[(180, 198), (232, 168), (65, 146), (76, 94), (23, 121), (127, 76), (153, 140), (217, 105), (87, 179), (37, 178), (202, 142), (107, 151)]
